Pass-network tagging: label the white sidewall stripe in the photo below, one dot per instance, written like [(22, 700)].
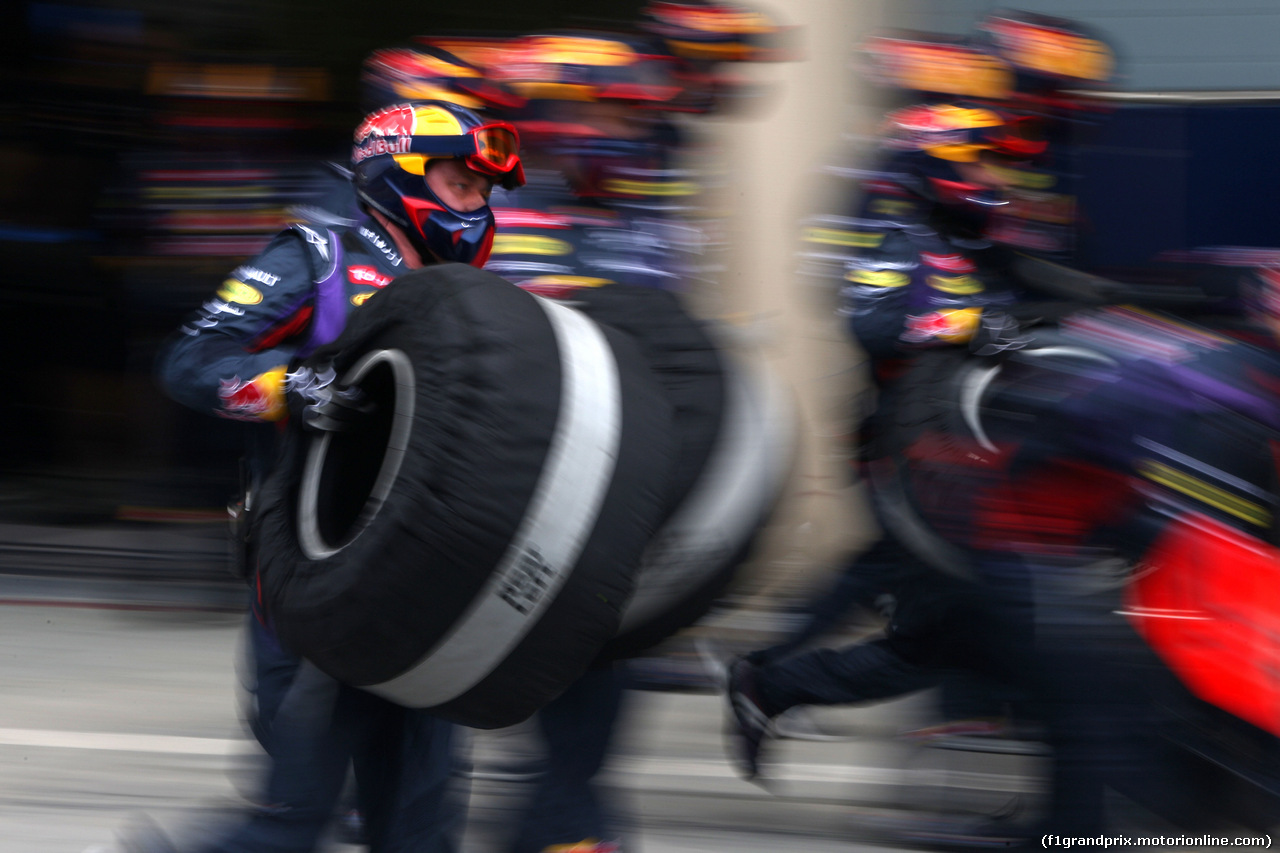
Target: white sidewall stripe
[(561, 516), (739, 483)]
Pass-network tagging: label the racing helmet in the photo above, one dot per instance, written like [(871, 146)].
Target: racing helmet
[(1048, 54), (428, 72), (393, 149), (713, 31), (591, 66), (932, 144), (597, 103), (709, 38), (959, 133)]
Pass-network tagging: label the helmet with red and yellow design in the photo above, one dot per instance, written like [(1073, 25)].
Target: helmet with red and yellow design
[(711, 39), (395, 146), (713, 31), (590, 66), (953, 155), (427, 72), (959, 133), (597, 103), (1049, 54)]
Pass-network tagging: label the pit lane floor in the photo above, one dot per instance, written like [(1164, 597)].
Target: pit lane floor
[(125, 699)]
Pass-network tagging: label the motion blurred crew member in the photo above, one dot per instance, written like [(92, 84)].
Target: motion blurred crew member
[(417, 194)]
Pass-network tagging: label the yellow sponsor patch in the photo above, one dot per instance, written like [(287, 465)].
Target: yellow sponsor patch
[(234, 290), (567, 281), (651, 188), (836, 237), (529, 244), (955, 284), (891, 207), (1206, 493), (361, 298), (878, 278)]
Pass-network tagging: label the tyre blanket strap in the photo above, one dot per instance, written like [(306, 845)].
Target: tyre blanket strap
[(329, 314), (561, 516)]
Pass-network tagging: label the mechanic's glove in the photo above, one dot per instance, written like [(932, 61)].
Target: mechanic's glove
[(261, 398), (346, 407), (323, 405)]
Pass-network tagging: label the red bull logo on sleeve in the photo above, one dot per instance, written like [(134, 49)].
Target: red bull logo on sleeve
[(952, 326), (530, 244), (257, 399)]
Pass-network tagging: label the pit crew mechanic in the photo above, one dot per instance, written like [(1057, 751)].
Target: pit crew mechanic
[(931, 280), (418, 194), (916, 274)]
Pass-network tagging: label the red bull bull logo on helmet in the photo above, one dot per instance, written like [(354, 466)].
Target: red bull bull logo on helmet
[(387, 131), (396, 120)]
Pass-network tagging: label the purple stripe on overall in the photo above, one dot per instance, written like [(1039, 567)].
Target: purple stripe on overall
[(329, 315)]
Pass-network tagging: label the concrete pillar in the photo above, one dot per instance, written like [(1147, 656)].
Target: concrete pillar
[(771, 154)]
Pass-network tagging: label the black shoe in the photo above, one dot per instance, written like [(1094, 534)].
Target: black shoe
[(749, 725)]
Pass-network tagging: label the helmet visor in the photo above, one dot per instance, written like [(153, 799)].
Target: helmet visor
[(497, 149), (492, 149)]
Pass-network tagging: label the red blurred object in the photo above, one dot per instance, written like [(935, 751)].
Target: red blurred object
[(1053, 511), (1209, 604)]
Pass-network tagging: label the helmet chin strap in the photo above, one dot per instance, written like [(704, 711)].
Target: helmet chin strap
[(412, 257)]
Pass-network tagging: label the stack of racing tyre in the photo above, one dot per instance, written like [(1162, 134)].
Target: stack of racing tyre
[(539, 484)]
